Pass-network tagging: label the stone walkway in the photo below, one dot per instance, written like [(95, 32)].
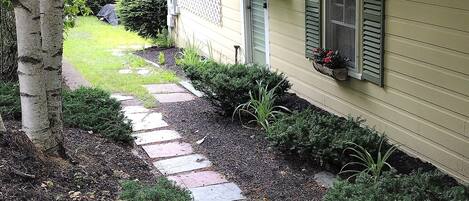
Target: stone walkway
[(170, 154)]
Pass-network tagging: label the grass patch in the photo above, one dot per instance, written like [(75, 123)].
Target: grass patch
[(163, 190), (90, 46)]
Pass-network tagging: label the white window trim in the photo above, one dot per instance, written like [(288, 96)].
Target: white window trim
[(357, 73)]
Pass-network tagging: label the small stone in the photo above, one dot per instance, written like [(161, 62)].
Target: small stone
[(325, 179), (90, 132), (125, 71), (120, 174)]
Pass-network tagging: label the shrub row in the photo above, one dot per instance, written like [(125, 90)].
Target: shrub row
[(228, 86), (146, 17), (417, 186), (322, 136), (164, 190), (86, 108)]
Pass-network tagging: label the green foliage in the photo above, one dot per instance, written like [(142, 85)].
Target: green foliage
[(364, 159), (146, 17), (228, 86), (10, 105), (163, 39), (73, 8), (161, 58), (96, 5), (262, 106), (164, 190), (93, 109), (418, 186), (322, 136)]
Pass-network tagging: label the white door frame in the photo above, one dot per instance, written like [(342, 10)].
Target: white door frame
[(247, 31)]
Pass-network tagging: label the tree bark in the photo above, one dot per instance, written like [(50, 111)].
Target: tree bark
[(52, 47), (2, 126), (8, 49), (31, 75)]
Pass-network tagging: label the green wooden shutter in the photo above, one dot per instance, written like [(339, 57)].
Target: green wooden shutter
[(312, 26), (373, 41)]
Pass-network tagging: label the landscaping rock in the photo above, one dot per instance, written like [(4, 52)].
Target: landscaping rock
[(325, 179)]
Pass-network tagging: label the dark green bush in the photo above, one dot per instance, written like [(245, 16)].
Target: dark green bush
[(146, 17), (94, 109), (228, 86), (96, 5), (418, 186), (164, 190), (10, 105), (322, 136)]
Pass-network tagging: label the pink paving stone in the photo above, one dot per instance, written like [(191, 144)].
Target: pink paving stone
[(198, 179), (164, 88), (174, 97), (168, 149)]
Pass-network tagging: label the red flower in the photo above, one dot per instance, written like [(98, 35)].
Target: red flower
[(330, 52), (327, 60)]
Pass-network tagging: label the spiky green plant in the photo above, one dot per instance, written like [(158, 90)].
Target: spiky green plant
[(161, 58), (367, 161), (262, 106)]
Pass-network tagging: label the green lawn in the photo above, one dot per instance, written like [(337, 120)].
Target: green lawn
[(90, 46)]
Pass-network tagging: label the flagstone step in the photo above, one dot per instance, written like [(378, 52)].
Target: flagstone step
[(146, 121), (219, 192), (182, 164), (120, 97), (170, 149), (134, 109), (164, 88), (174, 97), (156, 137), (198, 179), (190, 87)]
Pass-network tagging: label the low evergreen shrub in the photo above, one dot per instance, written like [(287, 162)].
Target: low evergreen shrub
[(228, 86), (10, 105), (94, 110), (164, 190), (146, 17), (322, 136), (417, 186)]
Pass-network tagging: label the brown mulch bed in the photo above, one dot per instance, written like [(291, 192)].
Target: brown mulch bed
[(243, 155), (98, 166), (152, 54)]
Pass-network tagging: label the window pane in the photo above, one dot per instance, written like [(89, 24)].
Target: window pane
[(350, 12), (340, 33)]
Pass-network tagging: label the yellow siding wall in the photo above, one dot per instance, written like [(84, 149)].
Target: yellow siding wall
[(221, 38), (425, 102)]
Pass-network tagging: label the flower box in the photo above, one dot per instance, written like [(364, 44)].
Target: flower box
[(340, 74), (330, 63)]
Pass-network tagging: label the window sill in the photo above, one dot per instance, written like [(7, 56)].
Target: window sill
[(355, 74)]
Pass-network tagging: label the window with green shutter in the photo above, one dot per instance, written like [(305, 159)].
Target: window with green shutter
[(313, 26), (360, 39), (373, 41)]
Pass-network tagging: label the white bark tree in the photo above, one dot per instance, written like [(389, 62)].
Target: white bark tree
[(31, 75), (52, 47), (2, 126)]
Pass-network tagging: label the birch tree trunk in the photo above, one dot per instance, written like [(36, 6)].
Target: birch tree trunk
[(2, 126), (31, 75), (52, 24)]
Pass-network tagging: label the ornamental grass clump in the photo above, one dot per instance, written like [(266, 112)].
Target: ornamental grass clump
[(364, 160), (261, 106)]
